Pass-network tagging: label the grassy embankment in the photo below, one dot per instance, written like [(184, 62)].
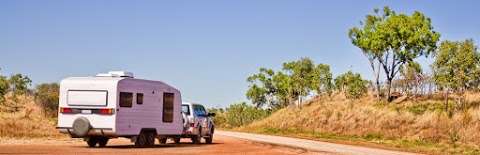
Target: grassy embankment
[(23, 119), (417, 126)]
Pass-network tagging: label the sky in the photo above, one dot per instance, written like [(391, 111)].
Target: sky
[(206, 49)]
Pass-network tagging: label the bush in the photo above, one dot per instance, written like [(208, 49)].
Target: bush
[(242, 114), (237, 115), (47, 96)]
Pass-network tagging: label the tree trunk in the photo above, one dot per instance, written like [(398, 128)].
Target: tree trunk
[(389, 91), (446, 100), (377, 76)]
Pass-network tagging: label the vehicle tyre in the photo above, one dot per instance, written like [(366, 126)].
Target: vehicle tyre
[(150, 138), (141, 140), (209, 139), (196, 139), (176, 140), (92, 141), (102, 141), (162, 140), (81, 126)]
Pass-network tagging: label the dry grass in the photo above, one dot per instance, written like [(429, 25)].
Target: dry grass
[(22, 118), (412, 125)]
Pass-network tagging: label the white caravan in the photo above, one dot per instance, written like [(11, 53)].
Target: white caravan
[(118, 105)]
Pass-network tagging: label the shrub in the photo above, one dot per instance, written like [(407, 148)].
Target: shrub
[(242, 114), (47, 96)]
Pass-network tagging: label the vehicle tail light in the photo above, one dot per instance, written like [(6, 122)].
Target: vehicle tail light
[(192, 124), (105, 111), (66, 110)]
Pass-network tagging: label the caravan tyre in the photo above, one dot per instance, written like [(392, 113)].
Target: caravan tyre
[(92, 141), (81, 126)]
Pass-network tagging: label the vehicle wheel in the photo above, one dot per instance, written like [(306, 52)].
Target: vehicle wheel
[(196, 139), (102, 141), (209, 140), (162, 140), (176, 140), (92, 141), (141, 140), (150, 139)]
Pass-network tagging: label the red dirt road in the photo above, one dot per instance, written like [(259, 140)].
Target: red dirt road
[(222, 145)]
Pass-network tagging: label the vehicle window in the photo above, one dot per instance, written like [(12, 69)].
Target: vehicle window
[(126, 99), (199, 110), (139, 98), (168, 99), (185, 109)]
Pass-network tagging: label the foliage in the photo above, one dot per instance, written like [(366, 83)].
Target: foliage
[(456, 65), (19, 84), (241, 114), (393, 40), (296, 80), (4, 86), (352, 84), (46, 95)]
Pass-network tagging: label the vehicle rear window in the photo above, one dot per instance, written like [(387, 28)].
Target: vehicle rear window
[(87, 97), (126, 99), (139, 98), (168, 99), (199, 110), (185, 109)]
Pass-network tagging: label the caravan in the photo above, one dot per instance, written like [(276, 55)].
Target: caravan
[(118, 105)]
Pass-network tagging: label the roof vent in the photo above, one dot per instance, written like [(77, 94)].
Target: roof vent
[(116, 74)]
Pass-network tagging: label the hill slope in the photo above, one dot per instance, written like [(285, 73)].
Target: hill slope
[(420, 126)]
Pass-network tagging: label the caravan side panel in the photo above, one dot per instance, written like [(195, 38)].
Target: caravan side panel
[(130, 120)]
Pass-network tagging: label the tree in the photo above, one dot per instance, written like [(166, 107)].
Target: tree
[(456, 66), (4, 86), (300, 73), (322, 79), (395, 39), (352, 84), (296, 80), (46, 95), (19, 84), (261, 89)]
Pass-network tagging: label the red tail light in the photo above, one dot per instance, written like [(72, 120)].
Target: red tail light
[(105, 111), (66, 110)]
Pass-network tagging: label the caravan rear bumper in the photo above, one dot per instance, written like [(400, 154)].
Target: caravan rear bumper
[(108, 132)]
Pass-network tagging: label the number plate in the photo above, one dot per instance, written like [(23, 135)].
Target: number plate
[(86, 111)]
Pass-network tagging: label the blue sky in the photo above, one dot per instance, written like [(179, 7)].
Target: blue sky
[(204, 48)]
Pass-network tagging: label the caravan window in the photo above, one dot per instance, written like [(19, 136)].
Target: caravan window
[(139, 98), (126, 99), (168, 99)]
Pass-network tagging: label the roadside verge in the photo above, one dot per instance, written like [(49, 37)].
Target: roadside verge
[(311, 145)]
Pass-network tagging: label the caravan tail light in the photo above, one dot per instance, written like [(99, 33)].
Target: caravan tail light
[(105, 111), (66, 110)]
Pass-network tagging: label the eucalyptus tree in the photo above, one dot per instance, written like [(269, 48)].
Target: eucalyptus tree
[(456, 66), (393, 40), (352, 84), (322, 79)]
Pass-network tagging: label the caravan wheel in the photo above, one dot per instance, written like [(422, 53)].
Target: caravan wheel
[(102, 141), (146, 138), (92, 141)]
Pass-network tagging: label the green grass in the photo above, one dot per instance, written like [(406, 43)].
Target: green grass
[(371, 140)]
